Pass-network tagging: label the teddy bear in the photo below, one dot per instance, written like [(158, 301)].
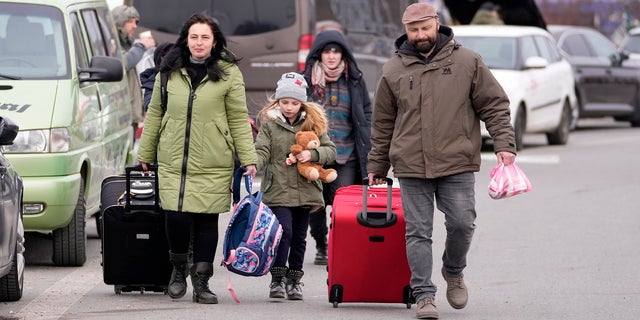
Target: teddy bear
[(308, 140)]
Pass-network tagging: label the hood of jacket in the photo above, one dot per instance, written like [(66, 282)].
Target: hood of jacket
[(445, 34), (329, 36)]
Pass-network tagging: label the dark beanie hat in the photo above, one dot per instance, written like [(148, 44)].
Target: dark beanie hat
[(332, 46)]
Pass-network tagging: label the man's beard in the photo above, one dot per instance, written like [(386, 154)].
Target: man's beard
[(424, 46)]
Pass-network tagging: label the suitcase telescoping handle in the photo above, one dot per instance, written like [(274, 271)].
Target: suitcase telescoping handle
[(365, 189), (153, 169)]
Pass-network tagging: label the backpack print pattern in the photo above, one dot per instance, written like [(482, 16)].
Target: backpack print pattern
[(253, 234)]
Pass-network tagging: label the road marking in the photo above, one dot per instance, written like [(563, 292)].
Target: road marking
[(53, 303), (536, 159)]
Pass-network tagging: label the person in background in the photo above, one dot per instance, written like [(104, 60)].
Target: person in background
[(194, 141), (148, 76), (126, 19), (336, 82), (289, 195), (430, 99), (488, 13)]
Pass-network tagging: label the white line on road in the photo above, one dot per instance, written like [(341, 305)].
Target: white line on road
[(536, 159)]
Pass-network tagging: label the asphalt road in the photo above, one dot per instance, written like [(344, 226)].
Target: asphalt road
[(570, 249)]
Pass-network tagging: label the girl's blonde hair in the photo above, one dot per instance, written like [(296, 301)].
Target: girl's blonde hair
[(315, 119)]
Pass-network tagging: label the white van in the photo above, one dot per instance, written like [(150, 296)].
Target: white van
[(61, 81)]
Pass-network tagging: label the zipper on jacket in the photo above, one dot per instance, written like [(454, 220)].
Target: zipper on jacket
[(185, 157), (410, 82)]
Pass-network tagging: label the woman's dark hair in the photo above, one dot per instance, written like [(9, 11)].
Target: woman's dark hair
[(160, 52), (179, 55)]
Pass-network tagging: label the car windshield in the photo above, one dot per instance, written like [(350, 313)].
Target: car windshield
[(496, 52), (32, 44)]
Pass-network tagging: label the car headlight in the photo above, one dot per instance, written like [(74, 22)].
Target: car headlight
[(31, 141), (59, 140)]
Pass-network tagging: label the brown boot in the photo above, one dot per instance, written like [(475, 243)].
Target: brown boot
[(427, 308), (457, 294)]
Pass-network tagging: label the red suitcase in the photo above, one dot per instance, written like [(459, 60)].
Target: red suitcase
[(367, 251)]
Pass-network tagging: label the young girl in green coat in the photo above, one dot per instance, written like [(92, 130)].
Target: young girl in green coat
[(290, 196)]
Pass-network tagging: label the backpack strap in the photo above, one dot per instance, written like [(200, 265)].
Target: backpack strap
[(164, 78), (237, 179)]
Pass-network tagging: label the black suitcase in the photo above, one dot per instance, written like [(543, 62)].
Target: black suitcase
[(135, 251)]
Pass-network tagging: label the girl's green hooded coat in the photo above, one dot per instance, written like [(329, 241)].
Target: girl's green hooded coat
[(194, 140)]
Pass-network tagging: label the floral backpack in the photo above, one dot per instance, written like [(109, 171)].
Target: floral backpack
[(253, 234)]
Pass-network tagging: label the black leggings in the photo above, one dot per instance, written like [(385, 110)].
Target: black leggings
[(205, 234)]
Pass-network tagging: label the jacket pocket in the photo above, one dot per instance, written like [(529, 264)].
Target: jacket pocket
[(168, 144), (218, 151)]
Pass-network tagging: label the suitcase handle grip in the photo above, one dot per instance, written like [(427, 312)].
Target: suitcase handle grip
[(153, 168), (365, 188)]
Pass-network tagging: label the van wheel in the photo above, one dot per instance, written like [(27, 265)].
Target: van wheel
[(12, 283), (69, 243), (560, 135)]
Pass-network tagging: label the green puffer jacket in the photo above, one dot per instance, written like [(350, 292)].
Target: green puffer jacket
[(282, 185), (196, 139)]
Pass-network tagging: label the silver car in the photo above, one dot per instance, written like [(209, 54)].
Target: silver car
[(11, 229)]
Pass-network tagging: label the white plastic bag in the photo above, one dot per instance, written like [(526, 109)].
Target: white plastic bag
[(507, 181)]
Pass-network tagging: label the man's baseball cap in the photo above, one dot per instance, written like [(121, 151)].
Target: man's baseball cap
[(418, 12)]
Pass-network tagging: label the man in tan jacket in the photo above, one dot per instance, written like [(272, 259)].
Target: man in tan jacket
[(429, 102)]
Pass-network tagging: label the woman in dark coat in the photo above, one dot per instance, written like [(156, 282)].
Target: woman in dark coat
[(336, 82)]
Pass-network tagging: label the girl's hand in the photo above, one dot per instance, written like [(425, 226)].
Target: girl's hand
[(304, 156), (251, 170)]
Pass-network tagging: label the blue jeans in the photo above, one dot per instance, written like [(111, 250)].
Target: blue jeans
[(455, 197)]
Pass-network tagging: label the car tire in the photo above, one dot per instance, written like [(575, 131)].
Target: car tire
[(560, 135), (520, 127), (12, 284), (69, 243)]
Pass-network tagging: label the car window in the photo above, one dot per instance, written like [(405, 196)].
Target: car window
[(576, 45), (238, 17), (98, 45), (82, 57), (547, 49), (496, 52), (601, 45), (32, 42), (110, 35), (632, 44), (528, 48)]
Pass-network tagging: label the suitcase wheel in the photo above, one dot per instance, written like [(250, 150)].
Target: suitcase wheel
[(336, 295)]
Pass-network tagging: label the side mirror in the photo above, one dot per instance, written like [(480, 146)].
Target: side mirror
[(8, 131), (103, 69), (536, 63)]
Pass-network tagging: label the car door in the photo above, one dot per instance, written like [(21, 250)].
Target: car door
[(556, 81), (7, 214), (591, 74), (622, 84), (540, 96)]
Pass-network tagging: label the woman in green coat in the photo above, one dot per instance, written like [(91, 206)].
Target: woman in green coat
[(194, 138)]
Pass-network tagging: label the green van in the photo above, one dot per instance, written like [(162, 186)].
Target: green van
[(61, 81)]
